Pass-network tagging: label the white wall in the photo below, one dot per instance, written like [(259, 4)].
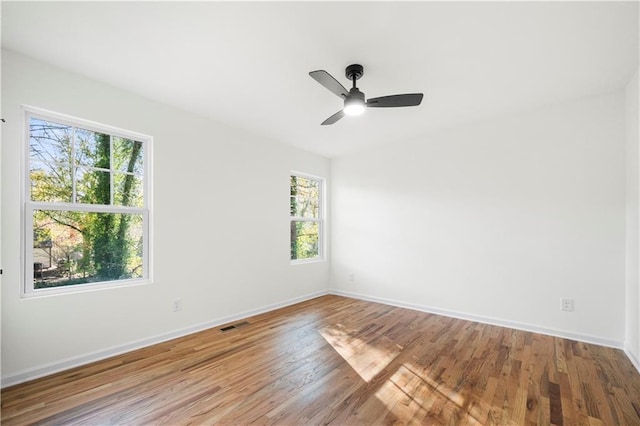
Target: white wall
[(632, 298), (221, 231), (494, 221)]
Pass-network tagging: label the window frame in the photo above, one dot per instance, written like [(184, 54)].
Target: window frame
[(28, 206), (321, 219)]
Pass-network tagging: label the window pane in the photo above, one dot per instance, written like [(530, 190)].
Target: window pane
[(127, 155), (93, 186), (304, 240), (50, 142), (305, 197), (50, 182), (79, 247), (305, 207), (50, 152), (308, 186), (127, 190), (93, 149), (303, 186)]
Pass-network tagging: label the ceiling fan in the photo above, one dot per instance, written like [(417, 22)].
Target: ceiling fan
[(354, 101)]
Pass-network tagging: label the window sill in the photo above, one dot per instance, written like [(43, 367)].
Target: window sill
[(306, 261), (83, 288)]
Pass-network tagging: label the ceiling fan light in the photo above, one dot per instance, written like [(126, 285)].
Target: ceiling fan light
[(354, 107)]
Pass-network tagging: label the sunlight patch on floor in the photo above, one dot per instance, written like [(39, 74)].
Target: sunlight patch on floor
[(365, 358), (410, 395)]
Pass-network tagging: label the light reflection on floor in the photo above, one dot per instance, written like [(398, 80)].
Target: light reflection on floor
[(368, 361), (409, 393)]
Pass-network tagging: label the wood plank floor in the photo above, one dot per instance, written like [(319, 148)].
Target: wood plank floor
[(343, 361)]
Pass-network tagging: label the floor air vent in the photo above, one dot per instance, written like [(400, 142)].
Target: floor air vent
[(234, 326)]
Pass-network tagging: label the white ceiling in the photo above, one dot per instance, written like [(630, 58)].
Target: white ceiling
[(247, 64)]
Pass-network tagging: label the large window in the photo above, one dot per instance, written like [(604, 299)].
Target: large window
[(87, 208), (306, 218)]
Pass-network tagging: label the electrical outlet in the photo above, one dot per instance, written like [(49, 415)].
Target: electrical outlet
[(567, 304), (177, 305), (352, 277)]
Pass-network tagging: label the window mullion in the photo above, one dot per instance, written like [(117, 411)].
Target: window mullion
[(305, 219), (26, 161), (73, 166), (96, 208), (111, 177)]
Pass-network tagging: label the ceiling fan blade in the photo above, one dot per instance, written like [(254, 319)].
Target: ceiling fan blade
[(335, 117), (410, 99), (327, 80)]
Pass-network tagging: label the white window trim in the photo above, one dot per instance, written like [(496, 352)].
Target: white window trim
[(321, 220), (27, 289)]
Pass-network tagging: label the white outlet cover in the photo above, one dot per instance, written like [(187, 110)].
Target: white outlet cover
[(177, 305), (567, 305)]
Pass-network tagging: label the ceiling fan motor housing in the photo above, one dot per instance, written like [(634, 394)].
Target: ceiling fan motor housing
[(355, 93), (354, 71)]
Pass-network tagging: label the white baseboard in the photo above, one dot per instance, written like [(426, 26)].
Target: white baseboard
[(66, 364), (632, 358), (482, 319)]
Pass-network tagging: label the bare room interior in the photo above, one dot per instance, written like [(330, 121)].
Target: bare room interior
[(320, 213)]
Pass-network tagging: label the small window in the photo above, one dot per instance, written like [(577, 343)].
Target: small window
[(86, 205), (306, 207)]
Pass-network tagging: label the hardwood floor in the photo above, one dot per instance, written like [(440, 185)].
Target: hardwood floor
[(343, 361)]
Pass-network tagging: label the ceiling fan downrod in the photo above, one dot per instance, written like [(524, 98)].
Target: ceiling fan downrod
[(354, 72)]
